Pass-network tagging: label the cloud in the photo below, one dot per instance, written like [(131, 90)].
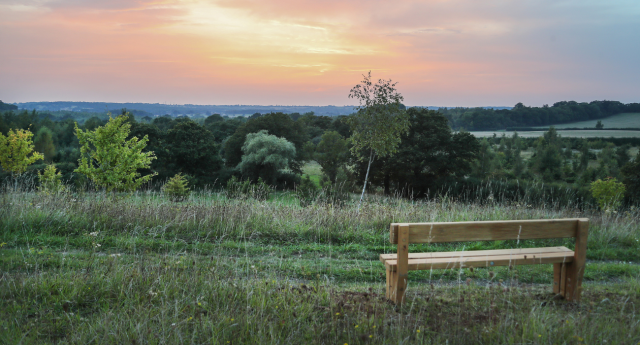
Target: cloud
[(460, 51)]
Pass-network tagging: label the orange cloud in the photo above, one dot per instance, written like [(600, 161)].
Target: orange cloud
[(458, 52)]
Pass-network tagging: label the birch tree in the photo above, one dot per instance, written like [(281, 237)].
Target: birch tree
[(379, 121)]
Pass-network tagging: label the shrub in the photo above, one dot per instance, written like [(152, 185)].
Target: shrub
[(608, 193), (237, 189), (176, 188), (307, 191), (51, 181)]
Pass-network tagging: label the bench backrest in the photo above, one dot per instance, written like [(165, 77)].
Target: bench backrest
[(488, 230)]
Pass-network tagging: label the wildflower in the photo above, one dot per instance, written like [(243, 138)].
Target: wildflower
[(418, 331), (3, 243), (539, 335), (370, 336), (200, 304), (94, 234), (337, 314), (356, 326), (231, 319)]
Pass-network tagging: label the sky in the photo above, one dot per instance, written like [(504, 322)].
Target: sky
[(312, 52)]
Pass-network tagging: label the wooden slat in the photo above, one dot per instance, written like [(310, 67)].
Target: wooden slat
[(487, 231), (471, 253), (487, 261)]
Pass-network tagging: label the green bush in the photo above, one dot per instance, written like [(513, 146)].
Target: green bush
[(307, 191), (51, 181), (608, 193), (237, 189), (176, 188)]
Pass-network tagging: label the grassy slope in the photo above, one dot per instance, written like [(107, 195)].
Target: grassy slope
[(625, 120), (215, 271), (567, 134)]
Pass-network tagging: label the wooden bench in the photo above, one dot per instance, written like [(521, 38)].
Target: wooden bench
[(568, 265)]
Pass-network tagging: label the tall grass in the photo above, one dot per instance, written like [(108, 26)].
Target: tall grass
[(140, 269)]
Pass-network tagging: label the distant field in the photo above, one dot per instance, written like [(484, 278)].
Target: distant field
[(626, 120), (568, 134)]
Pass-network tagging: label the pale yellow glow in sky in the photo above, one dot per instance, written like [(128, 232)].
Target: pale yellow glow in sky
[(457, 52)]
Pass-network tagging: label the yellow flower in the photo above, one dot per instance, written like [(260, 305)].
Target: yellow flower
[(200, 304), (2, 244), (337, 314), (370, 336), (418, 331), (356, 326), (539, 335), (231, 319)]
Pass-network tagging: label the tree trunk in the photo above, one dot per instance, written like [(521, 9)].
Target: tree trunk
[(366, 178)]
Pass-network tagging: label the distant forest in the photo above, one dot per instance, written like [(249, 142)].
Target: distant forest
[(472, 119)]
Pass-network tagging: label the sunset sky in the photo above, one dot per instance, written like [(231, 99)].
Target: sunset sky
[(311, 52)]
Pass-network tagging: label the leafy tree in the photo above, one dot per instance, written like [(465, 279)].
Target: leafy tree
[(631, 178), (429, 152), (599, 125), (110, 160), (44, 143), (191, 149), (278, 124), (608, 193), (51, 180), (331, 153), (17, 151), (176, 188), (548, 159), (379, 122), (265, 156), (213, 119)]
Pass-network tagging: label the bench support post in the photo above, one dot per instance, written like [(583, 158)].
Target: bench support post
[(575, 269), (402, 270), (559, 277)]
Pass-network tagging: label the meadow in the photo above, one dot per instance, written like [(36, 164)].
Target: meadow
[(565, 134), (139, 269)]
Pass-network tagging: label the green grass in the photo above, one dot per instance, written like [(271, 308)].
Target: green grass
[(567, 134), (138, 269), (314, 171)]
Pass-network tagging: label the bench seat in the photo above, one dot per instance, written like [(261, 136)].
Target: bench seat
[(481, 258)]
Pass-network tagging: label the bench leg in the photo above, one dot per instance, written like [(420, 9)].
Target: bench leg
[(559, 273), (391, 285), (575, 269)]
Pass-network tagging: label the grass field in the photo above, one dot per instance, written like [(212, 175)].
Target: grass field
[(567, 134), (138, 269), (626, 120)]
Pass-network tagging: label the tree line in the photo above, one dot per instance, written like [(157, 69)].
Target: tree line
[(426, 158), (479, 119)]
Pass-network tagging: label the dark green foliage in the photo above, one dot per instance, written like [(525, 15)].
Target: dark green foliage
[(5, 106), (190, 149), (429, 151), (176, 188), (221, 130), (238, 189), (278, 124), (523, 116), (631, 179), (332, 153), (307, 191), (265, 156)]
